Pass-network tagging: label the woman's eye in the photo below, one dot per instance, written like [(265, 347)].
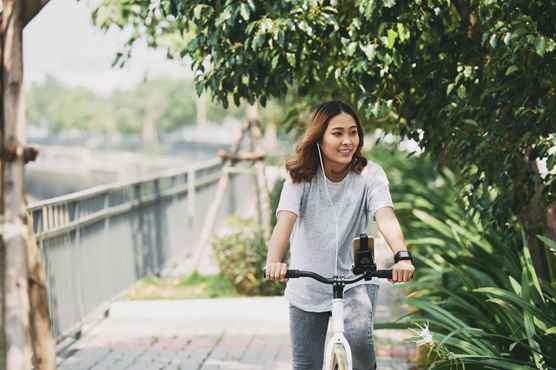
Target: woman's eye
[(337, 133), (354, 132)]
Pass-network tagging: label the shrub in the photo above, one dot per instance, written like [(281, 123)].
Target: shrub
[(477, 300), (240, 250)]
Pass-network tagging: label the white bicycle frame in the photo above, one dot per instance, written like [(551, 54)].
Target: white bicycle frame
[(336, 322), (337, 331)]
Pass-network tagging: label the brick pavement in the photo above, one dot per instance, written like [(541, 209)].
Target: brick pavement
[(209, 334), (222, 333), (244, 333)]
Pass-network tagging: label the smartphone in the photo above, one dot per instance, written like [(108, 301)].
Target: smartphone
[(357, 245), (363, 252)]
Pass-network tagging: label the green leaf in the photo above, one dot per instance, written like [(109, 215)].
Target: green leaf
[(199, 87), (223, 17), (510, 297), (511, 69), (520, 111), (290, 57), (471, 122), (392, 35), (275, 60), (462, 92), (403, 32), (449, 88), (197, 11), (550, 244), (244, 11), (540, 45), (529, 322), (369, 51), (449, 320), (350, 50), (493, 40), (389, 3), (552, 330)]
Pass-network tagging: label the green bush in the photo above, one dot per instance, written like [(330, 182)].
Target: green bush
[(240, 250), (478, 303)]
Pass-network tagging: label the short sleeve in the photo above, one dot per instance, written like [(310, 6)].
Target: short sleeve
[(378, 191), (291, 197)]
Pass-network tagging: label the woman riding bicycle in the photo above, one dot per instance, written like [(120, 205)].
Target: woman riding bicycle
[(329, 197)]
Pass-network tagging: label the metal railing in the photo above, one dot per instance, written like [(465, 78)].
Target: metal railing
[(96, 243)]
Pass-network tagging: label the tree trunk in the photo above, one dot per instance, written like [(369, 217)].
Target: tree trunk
[(538, 219), (44, 347), (16, 294)]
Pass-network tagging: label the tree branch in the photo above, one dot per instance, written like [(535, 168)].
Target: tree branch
[(30, 8)]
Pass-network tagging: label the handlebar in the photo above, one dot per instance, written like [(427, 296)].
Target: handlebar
[(293, 274)]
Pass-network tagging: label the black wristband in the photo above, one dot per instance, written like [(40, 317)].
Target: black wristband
[(402, 255)]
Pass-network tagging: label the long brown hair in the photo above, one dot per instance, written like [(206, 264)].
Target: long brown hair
[(304, 164)]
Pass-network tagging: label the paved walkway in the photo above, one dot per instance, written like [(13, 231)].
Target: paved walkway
[(210, 334)]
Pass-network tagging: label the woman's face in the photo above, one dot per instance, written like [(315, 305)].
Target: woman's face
[(339, 143)]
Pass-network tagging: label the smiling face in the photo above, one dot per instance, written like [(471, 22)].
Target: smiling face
[(338, 144)]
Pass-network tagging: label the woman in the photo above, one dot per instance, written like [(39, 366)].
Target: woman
[(330, 195)]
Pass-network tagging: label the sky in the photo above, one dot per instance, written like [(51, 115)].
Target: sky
[(62, 42)]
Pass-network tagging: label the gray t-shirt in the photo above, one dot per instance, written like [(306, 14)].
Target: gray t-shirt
[(313, 240)]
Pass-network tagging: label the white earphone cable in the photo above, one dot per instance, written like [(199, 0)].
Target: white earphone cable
[(336, 214)]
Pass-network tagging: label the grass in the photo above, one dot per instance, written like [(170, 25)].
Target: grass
[(194, 286)]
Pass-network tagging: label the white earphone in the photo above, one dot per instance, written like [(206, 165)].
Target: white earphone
[(336, 213)]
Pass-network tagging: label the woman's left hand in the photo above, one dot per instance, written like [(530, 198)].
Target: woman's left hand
[(402, 272)]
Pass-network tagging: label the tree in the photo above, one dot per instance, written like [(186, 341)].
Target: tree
[(158, 105), (26, 337), (472, 81)]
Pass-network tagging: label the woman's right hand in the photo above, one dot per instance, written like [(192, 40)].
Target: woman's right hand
[(276, 271)]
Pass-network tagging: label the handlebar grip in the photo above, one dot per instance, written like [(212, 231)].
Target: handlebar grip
[(384, 274), (290, 274)]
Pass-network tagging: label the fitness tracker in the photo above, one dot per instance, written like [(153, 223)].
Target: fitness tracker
[(402, 255)]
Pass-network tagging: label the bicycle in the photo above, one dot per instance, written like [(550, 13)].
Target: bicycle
[(337, 353)]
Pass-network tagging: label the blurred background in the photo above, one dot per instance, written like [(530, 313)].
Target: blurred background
[(473, 83), (124, 122)]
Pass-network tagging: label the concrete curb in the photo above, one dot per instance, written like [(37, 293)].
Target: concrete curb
[(255, 308)]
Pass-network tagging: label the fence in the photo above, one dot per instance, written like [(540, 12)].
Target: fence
[(96, 243)]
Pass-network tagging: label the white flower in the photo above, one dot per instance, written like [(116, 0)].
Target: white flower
[(425, 334)]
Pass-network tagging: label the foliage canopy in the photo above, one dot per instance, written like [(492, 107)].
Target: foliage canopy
[(472, 81)]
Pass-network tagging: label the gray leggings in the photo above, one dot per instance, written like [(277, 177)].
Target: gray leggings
[(308, 331)]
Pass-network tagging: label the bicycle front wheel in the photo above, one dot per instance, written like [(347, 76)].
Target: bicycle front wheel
[(339, 357)]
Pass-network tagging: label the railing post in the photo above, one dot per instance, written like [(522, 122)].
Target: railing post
[(77, 258), (191, 193)]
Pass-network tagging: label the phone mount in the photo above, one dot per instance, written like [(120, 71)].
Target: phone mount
[(364, 260)]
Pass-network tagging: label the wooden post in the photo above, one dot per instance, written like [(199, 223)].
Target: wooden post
[(16, 295), (263, 200), (212, 214), (2, 246), (256, 154)]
